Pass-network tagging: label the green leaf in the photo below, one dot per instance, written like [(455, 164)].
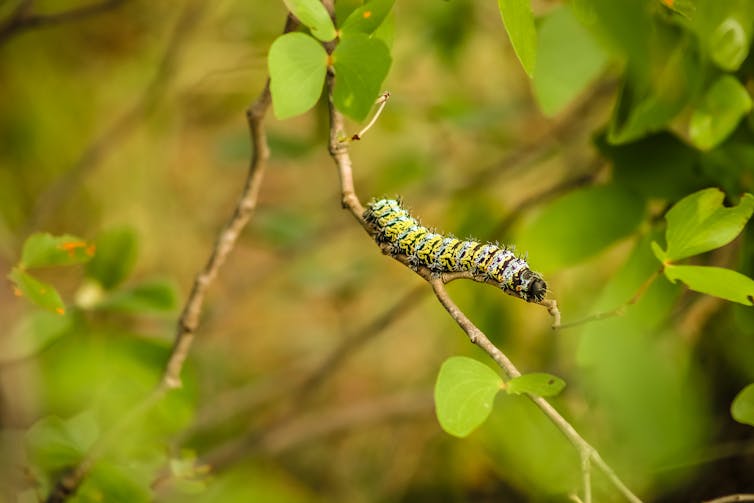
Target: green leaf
[(297, 65), (536, 383), (699, 223), (361, 64), (657, 90), (154, 296), (115, 257), (568, 59), (41, 294), (580, 225), (519, 23), (313, 15), (729, 44), (717, 281), (110, 482), (32, 334), (53, 443), (685, 8), (723, 106), (464, 392), (43, 249), (368, 17), (742, 408)]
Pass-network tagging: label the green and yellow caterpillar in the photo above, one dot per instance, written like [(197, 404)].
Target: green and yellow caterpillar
[(443, 254)]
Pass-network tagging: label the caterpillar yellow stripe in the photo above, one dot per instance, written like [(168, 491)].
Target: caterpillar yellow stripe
[(441, 254)]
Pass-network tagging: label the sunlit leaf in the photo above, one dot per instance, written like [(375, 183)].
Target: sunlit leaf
[(313, 14), (536, 383), (519, 23), (464, 392), (699, 223), (568, 59), (742, 408), (38, 292), (368, 17), (719, 112), (43, 249), (361, 64), (729, 44), (297, 65), (115, 257), (717, 281)]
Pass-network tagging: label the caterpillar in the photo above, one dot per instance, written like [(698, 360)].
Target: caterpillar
[(394, 225)]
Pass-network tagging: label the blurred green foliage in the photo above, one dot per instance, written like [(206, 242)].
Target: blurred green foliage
[(124, 131)]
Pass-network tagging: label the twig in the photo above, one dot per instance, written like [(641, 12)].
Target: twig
[(301, 391), (381, 102), (480, 339), (21, 19), (189, 319), (618, 311)]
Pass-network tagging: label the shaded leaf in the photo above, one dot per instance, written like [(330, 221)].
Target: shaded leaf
[(519, 23), (368, 17), (717, 281), (152, 296), (742, 408), (361, 64), (43, 249), (115, 257), (699, 223), (568, 59), (110, 482), (723, 106), (297, 65), (313, 15), (54, 443), (35, 332), (464, 392), (580, 225), (38, 292), (656, 91), (536, 383)]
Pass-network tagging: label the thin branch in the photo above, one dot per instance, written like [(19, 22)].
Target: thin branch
[(582, 446), (618, 311), (22, 19), (188, 322), (301, 391), (381, 102)]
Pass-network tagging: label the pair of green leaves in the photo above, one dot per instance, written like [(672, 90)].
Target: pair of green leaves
[(108, 261), (298, 62), (45, 250), (699, 223), (465, 390)]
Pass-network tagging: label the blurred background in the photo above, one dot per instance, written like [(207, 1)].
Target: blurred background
[(312, 373)]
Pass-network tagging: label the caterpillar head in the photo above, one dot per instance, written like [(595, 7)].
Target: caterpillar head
[(533, 287)]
